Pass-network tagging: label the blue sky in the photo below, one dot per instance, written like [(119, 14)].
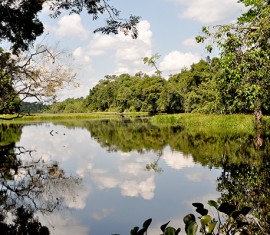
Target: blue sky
[(167, 27)]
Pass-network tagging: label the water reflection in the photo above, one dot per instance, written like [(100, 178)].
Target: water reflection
[(29, 185), (134, 166)]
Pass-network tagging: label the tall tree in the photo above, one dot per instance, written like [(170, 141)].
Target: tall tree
[(244, 51), (38, 74), (21, 76)]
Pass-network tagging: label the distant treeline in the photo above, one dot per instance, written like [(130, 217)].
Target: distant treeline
[(192, 90), (32, 107)]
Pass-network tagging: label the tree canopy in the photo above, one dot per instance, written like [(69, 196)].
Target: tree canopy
[(20, 23), (244, 58)]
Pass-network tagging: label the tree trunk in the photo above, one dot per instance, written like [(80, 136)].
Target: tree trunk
[(258, 127)]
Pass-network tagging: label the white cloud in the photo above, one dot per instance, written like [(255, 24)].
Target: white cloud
[(71, 26), (100, 215), (134, 188), (177, 160), (176, 60), (190, 42), (200, 176), (210, 11), (126, 53)]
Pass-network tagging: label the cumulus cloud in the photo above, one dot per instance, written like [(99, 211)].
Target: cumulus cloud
[(71, 26), (210, 11), (177, 160), (176, 60), (100, 215), (190, 42), (126, 52), (134, 188)]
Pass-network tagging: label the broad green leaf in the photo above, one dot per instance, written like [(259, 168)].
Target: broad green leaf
[(205, 220), (210, 228), (170, 231), (189, 218), (192, 228), (213, 203)]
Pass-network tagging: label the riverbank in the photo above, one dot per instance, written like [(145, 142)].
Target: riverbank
[(236, 122), (66, 116)]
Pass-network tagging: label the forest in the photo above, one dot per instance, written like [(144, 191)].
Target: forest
[(194, 90)]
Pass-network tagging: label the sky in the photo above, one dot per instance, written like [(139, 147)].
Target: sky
[(167, 27)]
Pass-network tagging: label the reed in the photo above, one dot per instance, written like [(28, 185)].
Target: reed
[(235, 122)]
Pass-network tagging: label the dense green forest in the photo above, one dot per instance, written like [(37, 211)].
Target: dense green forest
[(197, 89)]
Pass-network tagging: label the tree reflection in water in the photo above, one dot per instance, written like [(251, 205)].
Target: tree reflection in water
[(248, 185), (28, 186)]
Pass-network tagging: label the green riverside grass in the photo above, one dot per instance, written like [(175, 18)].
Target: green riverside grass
[(232, 123), (44, 117), (240, 123)]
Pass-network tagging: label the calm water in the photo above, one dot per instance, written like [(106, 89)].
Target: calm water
[(105, 177)]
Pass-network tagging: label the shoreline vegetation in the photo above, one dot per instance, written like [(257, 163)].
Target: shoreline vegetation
[(234, 122)]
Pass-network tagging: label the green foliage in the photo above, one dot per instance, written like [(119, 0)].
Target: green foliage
[(70, 105), (20, 23), (244, 59), (23, 223), (152, 62), (235, 221), (32, 107), (9, 99)]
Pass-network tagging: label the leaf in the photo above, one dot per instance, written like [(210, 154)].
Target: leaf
[(189, 218), (163, 227), (202, 211), (226, 208), (198, 205), (142, 231), (205, 220), (200, 208), (210, 228), (235, 214), (170, 231), (147, 223), (177, 231), (245, 210), (192, 228), (213, 203), (134, 231), (241, 224)]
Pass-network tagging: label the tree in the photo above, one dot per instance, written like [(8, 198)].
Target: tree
[(244, 59), (20, 24), (35, 74), (152, 62)]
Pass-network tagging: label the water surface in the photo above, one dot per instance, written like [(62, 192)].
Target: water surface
[(113, 175)]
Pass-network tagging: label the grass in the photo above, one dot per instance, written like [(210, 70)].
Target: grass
[(64, 116), (235, 122)]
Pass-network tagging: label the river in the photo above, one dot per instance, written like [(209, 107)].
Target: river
[(107, 176)]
